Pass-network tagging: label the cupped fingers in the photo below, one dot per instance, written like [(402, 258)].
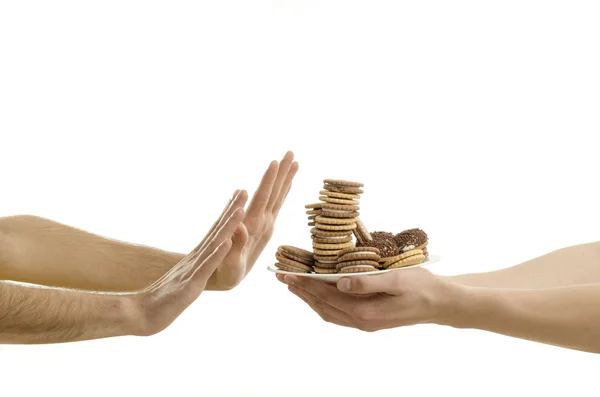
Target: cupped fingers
[(321, 307)]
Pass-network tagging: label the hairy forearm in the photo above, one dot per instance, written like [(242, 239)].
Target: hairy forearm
[(40, 251), (579, 264), (563, 316), (33, 314)]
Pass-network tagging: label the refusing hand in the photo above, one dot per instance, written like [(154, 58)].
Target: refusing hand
[(374, 302), (252, 236), (158, 305)]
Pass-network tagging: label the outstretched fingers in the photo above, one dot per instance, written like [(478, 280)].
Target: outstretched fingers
[(285, 189), (263, 193), (282, 172)]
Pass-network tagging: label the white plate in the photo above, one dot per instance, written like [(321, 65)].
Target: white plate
[(332, 278)]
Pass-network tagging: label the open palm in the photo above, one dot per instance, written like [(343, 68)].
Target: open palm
[(253, 235)]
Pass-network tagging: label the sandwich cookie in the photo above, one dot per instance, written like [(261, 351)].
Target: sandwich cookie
[(332, 210), (334, 246), (387, 248), (382, 236), (410, 239), (341, 186), (290, 265), (334, 200), (334, 221), (326, 261), (408, 258), (320, 233), (361, 233), (332, 240), (324, 226), (343, 189), (357, 266), (296, 254), (359, 253), (342, 183), (339, 195)]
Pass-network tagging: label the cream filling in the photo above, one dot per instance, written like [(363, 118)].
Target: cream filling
[(362, 253), (338, 211), (361, 266), (334, 237), (327, 261)]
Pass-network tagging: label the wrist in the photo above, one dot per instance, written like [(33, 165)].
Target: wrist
[(453, 304), (131, 318)]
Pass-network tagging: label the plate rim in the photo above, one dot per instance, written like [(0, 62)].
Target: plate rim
[(432, 259)]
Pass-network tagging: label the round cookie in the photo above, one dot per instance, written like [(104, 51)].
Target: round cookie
[(345, 189), (341, 182), (326, 265), (410, 239), (324, 270), (382, 236), (340, 214), (290, 268), (339, 195), (362, 262), (311, 224), (338, 246), (387, 248), (329, 233), (296, 254), (361, 233), (325, 252), (410, 261), (334, 200), (333, 240), (314, 212), (359, 253), (323, 226), (399, 257), (334, 221), (358, 269), (326, 258), (339, 208)]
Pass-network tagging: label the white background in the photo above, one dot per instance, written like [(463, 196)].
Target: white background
[(136, 120)]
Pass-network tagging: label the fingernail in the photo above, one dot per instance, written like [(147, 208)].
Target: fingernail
[(289, 280), (344, 284), (280, 277)]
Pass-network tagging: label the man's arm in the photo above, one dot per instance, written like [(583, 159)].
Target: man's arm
[(579, 264), (35, 314), (31, 314), (564, 316), (39, 251)]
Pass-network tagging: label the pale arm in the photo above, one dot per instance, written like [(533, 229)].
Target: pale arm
[(35, 314), (565, 316), (39, 251), (579, 264)]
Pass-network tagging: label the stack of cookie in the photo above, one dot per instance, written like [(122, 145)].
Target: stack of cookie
[(336, 217), (293, 259), (358, 260)]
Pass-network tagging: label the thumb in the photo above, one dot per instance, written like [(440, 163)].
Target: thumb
[(386, 283)]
